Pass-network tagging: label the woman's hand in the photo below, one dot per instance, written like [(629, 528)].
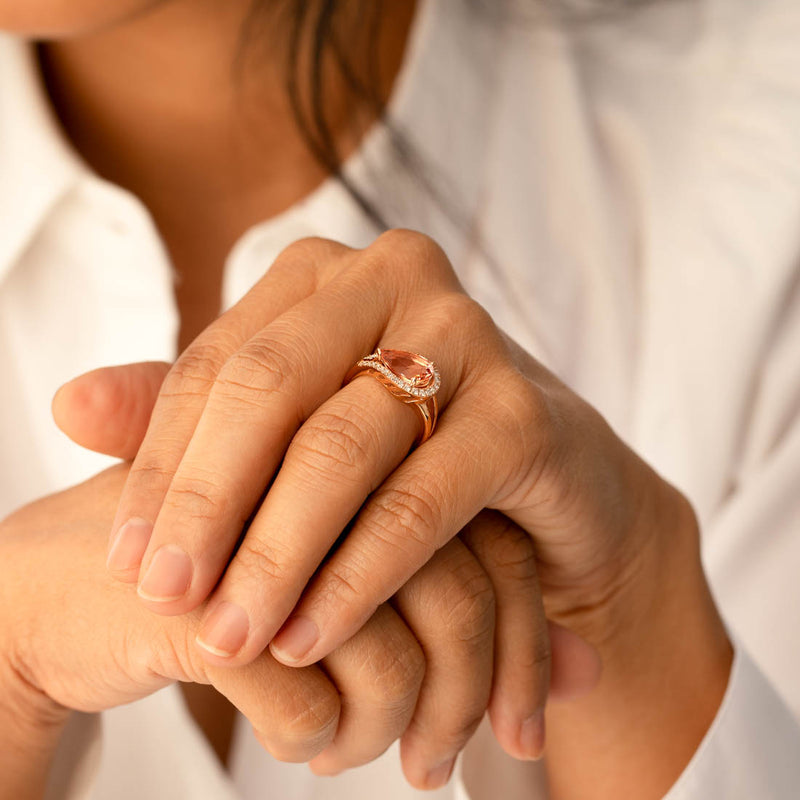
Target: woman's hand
[(78, 641), (256, 402), (473, 614), (74, 639)]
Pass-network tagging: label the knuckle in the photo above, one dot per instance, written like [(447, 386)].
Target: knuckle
[(408, 519), (468, 605), (197, 497), (414, 253), (526, 420), (512, 552), (261, 368), (313, 719), (523, 405), (537, 658), (304, 728), (457, 314), (460, 602), (166, 658), (345, 586), (412, 243), (331, 444), (263, 559), (309, 249), (311, 261), (529, 662), (395, 674), (174, 654), (299, 249), (458, 311), (194, 371), (149, 473)]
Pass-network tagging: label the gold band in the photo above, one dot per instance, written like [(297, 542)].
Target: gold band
[(409, 377)]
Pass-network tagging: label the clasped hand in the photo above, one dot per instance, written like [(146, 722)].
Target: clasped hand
[(252, 431)]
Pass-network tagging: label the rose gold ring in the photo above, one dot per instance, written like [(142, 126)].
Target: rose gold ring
[(409, 377)]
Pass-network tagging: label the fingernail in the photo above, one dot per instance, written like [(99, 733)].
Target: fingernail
[(129, 544), (168, 576), (440, 774), (224, 631), (531, 735), (298, 636)]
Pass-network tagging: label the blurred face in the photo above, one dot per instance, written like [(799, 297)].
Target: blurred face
[(56, 19)]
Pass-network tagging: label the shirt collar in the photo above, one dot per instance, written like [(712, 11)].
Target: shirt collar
[(37, 164)]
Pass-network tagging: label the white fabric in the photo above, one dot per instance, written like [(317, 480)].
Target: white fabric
[(637, 183)]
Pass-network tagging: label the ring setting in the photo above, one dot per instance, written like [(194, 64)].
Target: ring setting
[(408, 371), (409, 377)]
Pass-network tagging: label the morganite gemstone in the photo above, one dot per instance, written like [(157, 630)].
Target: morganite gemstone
[(412, 368)]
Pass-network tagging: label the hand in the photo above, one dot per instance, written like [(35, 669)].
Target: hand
[(80, 641), (256, 402), (450, 606)]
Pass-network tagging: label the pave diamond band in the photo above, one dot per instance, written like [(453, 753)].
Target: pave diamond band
[(374, 363)]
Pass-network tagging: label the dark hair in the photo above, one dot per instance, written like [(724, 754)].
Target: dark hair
[(311, 37), (313, 34)]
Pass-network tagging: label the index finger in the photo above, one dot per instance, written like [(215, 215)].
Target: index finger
[(184, 393)]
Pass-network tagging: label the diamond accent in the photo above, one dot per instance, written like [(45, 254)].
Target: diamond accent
[(429, 375)]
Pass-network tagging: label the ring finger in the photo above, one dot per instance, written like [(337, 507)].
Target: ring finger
[(342, 453)]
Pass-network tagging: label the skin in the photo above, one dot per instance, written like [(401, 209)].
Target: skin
[(65, 18), (617, 553), (219, 152), (206, 169), (75, 639), (617, 548), (104, 65)]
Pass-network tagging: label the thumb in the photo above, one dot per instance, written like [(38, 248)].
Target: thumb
[(108, 409)]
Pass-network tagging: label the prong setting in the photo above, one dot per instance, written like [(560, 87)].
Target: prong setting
[(422, 386)]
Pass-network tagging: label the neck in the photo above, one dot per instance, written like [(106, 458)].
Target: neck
[(155, 105)]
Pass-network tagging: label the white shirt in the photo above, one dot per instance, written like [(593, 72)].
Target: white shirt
[(637, 183)]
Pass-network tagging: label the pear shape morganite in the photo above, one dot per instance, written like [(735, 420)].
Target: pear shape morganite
[(413, 369)]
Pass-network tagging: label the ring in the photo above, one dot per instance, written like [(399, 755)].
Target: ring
[(409, 377)]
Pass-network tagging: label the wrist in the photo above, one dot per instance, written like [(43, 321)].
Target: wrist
[(31, 725), (651, 578), (666, 662), (667, 603)]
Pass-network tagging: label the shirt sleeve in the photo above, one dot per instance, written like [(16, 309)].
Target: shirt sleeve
[(751, 550), (751, 750)]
